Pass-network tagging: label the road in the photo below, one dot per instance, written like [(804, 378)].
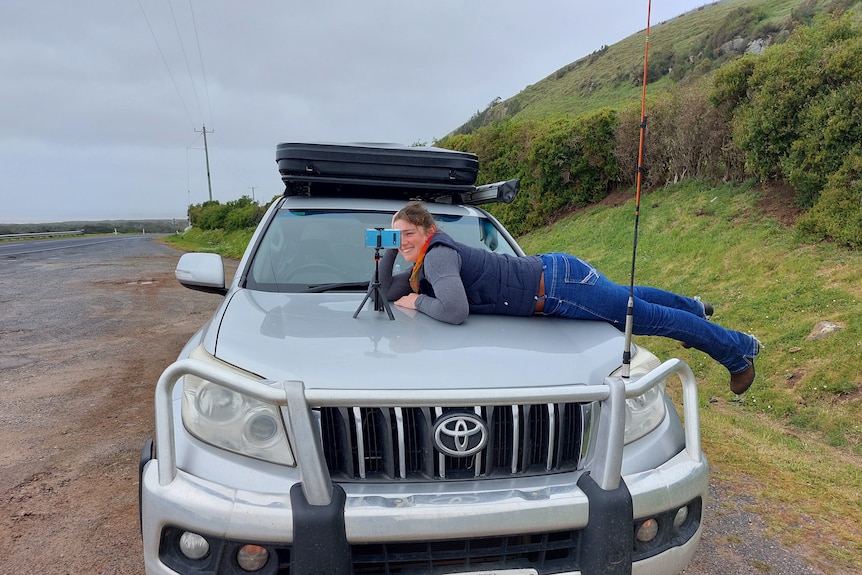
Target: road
[(87, 326), (14, 249)]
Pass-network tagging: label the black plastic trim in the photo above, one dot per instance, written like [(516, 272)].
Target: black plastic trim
[(146, 456), (319, 535), (607, 542)]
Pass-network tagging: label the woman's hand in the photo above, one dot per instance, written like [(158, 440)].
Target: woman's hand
[(408, 301)]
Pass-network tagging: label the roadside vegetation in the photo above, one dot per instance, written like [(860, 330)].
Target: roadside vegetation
[(98, 227), (752, 199), (224, 229), (794, 440)]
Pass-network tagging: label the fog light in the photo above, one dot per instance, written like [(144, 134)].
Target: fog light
[(681, 516), (252, 557), (648, 530), (193, 545)]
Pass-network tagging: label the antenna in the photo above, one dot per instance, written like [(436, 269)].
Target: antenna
[(630, 311)]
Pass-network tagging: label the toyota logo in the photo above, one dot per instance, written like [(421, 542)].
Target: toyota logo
[(460, 434)]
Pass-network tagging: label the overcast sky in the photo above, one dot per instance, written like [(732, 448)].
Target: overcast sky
[(103, 102)]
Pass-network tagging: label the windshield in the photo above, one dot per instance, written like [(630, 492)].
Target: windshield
[(314, 250)]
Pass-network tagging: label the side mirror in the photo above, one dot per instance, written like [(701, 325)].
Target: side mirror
[(202, 272)]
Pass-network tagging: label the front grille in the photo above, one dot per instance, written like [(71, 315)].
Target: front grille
[(397, 443), (545, 552)]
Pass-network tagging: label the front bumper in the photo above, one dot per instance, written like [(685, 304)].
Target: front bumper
[(211, 509), (174, 499)]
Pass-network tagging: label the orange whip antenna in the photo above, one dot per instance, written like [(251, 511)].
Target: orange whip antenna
[(627, 353)]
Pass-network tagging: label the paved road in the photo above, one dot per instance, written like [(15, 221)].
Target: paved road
[(87, 326), (71, 246)]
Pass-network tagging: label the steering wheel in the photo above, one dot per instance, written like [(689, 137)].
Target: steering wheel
[(319, 267)]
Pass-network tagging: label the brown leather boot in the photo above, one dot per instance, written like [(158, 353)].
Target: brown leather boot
[(740, 382)]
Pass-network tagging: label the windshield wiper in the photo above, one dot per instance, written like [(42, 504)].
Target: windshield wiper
[(345, 286)]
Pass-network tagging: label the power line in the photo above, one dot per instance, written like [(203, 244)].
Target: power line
[(201, 58), (227, 161), (162, 54), (239, 173), (186, 58)]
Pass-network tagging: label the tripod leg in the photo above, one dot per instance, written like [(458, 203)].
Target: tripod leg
[(383, 299), (364, 301)]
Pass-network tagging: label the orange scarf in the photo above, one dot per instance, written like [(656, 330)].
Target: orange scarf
[(417, 267)]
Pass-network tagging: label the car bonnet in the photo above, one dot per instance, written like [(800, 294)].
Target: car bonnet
[(315, 338)]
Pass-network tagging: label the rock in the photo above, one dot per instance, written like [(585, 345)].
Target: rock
[(757, 46), (735, 46), (824, 329)]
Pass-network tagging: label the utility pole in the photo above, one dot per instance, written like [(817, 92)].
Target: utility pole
[(207, 155), (252, 193)]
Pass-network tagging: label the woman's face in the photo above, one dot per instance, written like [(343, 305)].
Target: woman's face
[(413, 237)]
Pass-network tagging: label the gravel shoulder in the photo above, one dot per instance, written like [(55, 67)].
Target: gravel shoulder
[(85, 336)]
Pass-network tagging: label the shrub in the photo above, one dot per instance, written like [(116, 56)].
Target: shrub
[(208, 215), (838, 212), (232, 216), (574, 164), (795, 107), (687, 137)]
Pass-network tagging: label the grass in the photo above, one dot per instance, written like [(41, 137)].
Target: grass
[(227, 244), (794, 441)]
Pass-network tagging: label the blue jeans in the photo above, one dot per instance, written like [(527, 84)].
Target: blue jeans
[(576, 290)]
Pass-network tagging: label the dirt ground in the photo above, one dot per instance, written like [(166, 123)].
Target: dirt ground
[(83, 344), (83, 340)]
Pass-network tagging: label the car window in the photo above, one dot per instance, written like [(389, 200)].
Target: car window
[(303, 249)]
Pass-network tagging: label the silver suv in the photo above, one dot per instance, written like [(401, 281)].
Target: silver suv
[(300, 432)]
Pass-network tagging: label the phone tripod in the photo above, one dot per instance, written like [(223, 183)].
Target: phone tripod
[(375, 291)]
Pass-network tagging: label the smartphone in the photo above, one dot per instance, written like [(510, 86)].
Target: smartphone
[(383, 238)]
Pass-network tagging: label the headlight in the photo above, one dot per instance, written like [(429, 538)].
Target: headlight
[(235, 422), (644, 412)]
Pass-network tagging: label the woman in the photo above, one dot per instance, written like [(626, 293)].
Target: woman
[(450, 280)]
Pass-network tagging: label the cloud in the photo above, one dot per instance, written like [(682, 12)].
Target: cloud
[(104, 102)]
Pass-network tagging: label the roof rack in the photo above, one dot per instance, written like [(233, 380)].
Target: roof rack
[(499, 192)]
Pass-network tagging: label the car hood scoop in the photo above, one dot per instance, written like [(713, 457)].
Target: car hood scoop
[(314, 338)]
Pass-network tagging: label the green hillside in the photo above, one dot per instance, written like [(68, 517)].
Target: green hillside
[(738, 91), (680, 50), (794, 441)]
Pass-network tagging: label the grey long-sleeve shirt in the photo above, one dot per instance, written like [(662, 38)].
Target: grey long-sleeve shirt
[(442, 268)]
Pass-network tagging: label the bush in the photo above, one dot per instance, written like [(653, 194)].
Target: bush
[(838, 212), (233, 216), (829, 125), (208, 215), (687, 137), (561, 162), (574, 164), (795, 108), (503, 149)]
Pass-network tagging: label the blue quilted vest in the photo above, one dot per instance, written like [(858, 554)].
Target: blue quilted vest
[(495, 283)]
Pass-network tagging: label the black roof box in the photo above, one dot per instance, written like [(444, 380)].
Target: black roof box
[(375, 170)]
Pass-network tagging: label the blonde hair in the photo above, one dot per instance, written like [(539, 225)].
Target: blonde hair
[(417, 214)]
